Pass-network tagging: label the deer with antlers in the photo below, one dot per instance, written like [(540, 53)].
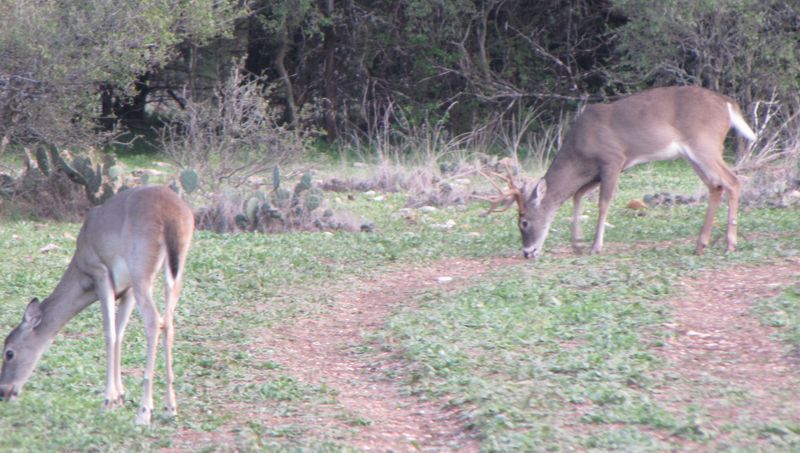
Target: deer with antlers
[(120, 249), (658, 124)]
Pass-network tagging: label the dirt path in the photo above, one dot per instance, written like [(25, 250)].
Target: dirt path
[(718, 347), (319, 350), (725, 361)]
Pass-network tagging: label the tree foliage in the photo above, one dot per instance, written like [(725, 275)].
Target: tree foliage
[(58, 56), (350, 67), (745, 47)]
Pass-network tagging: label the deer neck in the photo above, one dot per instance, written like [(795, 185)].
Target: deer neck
[(564, 177), (67, 300)]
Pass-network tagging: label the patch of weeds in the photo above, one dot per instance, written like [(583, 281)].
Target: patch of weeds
[(510, 352), (500, 347), (624, 439), (783, 313), (352, 419)]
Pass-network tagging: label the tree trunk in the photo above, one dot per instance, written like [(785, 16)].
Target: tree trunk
[(328, 77), (280, 66)]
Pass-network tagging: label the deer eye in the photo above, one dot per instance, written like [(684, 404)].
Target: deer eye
[(9, 355), (523, 224)]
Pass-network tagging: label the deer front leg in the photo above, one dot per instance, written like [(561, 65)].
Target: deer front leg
[(105, 294), (608, 184), (576, 236), (152, 326)]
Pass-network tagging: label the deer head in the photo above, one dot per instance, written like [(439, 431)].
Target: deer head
[(534, 221), (21, 352)]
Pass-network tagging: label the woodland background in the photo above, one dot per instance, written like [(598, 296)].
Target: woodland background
[(355, 72)]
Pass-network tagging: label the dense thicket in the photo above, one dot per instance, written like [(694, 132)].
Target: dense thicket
[(349, 67)]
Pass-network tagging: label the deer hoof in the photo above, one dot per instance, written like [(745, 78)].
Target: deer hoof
[(143, 418), (111, 404)]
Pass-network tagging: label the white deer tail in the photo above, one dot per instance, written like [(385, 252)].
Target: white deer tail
[(738, 122)]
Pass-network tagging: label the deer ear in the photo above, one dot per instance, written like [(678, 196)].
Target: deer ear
[(33, 314), (535, 199)]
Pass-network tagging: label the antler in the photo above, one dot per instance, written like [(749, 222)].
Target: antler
[(504, 197)]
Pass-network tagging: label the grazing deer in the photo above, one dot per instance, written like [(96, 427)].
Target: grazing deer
[(658, 124), (120, 249)]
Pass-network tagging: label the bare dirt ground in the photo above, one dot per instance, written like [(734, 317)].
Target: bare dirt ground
[(723, 359), (320, 350), (717, 341)]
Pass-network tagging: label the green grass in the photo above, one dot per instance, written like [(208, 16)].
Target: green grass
[(783, 313), (559, 354)]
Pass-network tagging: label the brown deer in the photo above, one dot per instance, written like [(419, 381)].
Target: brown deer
[(658, 124), (120, 249)]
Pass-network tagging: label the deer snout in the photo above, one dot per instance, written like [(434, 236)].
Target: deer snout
[(532, 254), (7, 393)]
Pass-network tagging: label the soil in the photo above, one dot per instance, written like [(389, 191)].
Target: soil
[(717, 339), (723, 359), (319, 350)]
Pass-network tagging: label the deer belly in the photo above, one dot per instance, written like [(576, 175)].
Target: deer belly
[(120, 275), (672, 151)]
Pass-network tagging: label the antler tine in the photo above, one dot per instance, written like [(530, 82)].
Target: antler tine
[(504, 195), (519, 197)]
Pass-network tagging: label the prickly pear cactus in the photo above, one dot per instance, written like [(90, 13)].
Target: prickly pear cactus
[(281, 197), (43, 160), (276, 178), (313, 200), (190, 181), (82, 171), (114, 172)]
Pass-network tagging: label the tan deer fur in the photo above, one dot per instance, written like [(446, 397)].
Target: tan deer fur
[(658, 124), (120, 249)]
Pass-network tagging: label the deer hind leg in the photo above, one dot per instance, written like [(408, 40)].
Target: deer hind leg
[(719, 179), (608, 183), (123, 315), (576, 236), (152, 325), (733, 188), (172, 290)]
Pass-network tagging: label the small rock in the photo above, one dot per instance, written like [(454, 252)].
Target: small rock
[(692, 333), (444, 226), (444, 279), (48, 248)]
